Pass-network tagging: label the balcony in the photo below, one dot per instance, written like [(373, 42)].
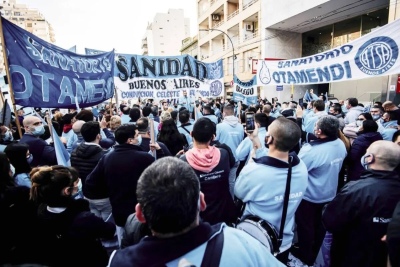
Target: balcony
[(230, 16), (250, 36), (249, 4)]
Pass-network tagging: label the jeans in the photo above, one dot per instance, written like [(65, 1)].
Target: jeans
[(101, 208)]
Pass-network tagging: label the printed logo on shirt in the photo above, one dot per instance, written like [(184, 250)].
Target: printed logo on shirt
[(381, 220), (291, 196), (210, 176), (337, 161)]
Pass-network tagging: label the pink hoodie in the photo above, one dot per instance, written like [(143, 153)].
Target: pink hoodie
[(204, 159)]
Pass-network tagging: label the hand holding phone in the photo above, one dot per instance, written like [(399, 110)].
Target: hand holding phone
[(250, 122)]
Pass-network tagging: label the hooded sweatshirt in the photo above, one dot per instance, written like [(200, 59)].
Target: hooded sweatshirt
[(231, 133), (211, 166)]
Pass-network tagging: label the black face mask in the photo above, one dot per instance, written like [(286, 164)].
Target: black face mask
[(266, 145), (332, 114)]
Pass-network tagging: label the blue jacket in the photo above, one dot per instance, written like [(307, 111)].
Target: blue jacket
[(245, 147), (23, 179), (310, 119), (390, 128), (186, 129), (239, 249), (324, 159), (262, 184), (186, 102), (43, 153), (231, 133), (358, 149)]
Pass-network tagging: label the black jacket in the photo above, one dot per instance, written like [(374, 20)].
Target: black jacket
[(116, 177), (358, 218), (358, 149), (43, 153), (84, 158)]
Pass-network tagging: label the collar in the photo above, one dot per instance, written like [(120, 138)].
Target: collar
[(92, 144), (321, 141), (277, 163), (127, 147), (370, 173), (186, 124), (55, 210)]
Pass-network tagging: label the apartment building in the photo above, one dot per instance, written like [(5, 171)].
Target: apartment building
[(230, 30), (29, 19), (293, 29), (165, 33), (190, 47)]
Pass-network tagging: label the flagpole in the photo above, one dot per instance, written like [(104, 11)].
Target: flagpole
[(3, 44), (152, 138)]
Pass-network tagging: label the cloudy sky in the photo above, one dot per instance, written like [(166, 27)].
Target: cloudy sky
[(106, 24)]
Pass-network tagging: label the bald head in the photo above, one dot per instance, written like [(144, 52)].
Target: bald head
[(30, 122), (76, 127), (386, 155)]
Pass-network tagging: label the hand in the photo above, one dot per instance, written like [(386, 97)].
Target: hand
[(180, 153), (253, 135), (103, 123), (299, 112), (155, 146)]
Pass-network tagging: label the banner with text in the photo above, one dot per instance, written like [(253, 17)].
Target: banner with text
[(166, 77), (374, 54), (89, 51), (245, 91), (44, 75)]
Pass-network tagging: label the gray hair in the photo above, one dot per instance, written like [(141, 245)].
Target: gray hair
[(329, 125)]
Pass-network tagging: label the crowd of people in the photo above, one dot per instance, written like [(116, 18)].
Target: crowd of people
[(166, 184)]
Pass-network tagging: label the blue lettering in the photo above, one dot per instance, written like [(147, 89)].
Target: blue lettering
[(301, 76), (311, 75), (323, 74), (81, 93), (66, 91), (276, 77), (347, 68), (337, 76), (346, 49), (27, 81), (32, 51), (291, 78), (45, 83)]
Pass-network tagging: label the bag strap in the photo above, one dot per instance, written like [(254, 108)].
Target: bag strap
[(183, 127), (285, 201), (212, 255)]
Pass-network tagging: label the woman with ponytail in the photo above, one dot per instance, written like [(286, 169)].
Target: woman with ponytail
[(70, 234)]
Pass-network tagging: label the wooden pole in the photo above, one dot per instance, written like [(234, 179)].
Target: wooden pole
[(3, 44), (152, 138)]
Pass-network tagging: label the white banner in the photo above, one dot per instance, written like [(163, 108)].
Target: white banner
[(245, 91), (375, 54)]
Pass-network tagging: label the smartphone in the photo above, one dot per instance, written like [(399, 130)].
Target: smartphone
[(250, 123), (301, 102), (185, 148)]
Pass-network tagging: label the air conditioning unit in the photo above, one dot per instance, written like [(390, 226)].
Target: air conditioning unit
[(249, 27), (215, 17)]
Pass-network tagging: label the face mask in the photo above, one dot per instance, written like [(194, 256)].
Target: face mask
[(39, 130), (29, 159), (330, 113), (139, 140), (376, 117), (358, 123), (78, 193), (8, 137), (364, 163)]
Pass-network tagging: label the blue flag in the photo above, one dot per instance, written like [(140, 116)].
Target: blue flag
[(47, 76), (61, 152)]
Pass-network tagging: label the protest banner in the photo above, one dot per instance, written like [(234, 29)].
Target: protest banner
[(44, 75), (374, 54), (245, 91), (167, 77)]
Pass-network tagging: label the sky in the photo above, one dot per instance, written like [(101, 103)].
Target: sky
[(106, 24)]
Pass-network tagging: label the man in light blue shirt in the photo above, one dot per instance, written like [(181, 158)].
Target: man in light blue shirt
[(323, 158), (125, 115), (310, 118), (186, 127), (230, 132), (186, 101)]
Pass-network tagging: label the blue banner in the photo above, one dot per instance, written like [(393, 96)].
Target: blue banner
[(44, 75), (167, 77), (89, 51), (245, 91)]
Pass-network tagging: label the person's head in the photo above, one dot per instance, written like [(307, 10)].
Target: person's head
[(33, 125), (125, 110), (143, 127), (389, 116), (6, 135), (396, 138), (115, 122), (207, 110), (165, 105), (85, 115), (229, 110), (203, 131), (352, 102), (169, 131), (368, 126), (90, 132), (335, 110), (267, 108), (174, 115), (55, 185), (20, 112), (19, 156), (318, 106), (165, 116), (184, 116), (128, 134), (154, 111), (293, 105), (77, 126), (261, 119), (6, 175), (134, 114), (169, 197), (326, 127), (389, 106), (381, 155), (376, 112), (67, 118), (146, 111), (363, 117), (283, 135), (184, 93)]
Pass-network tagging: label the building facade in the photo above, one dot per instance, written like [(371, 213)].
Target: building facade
[(190, 47), (29, 19), (293, 29), (165, 33), (230, 30)]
